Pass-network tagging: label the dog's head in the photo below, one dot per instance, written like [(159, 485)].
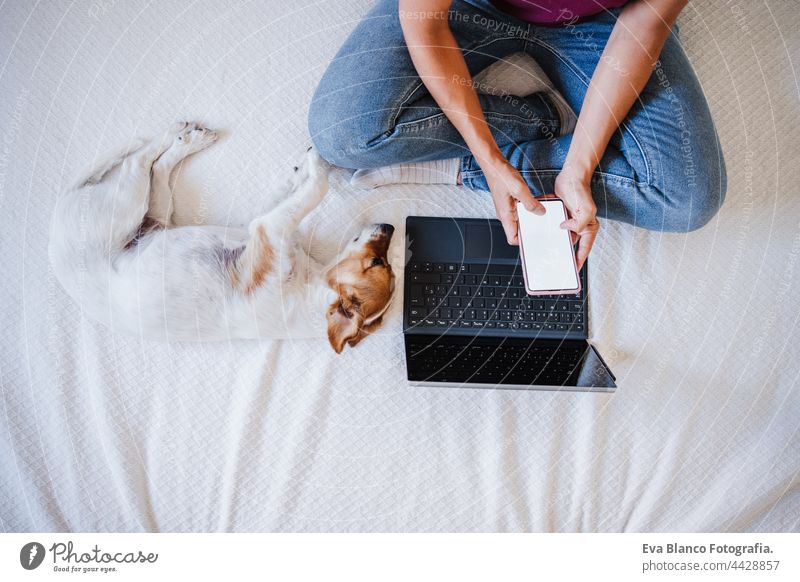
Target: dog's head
[(364, 282)]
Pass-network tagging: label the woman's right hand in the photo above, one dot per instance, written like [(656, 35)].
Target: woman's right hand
[(507, 187)]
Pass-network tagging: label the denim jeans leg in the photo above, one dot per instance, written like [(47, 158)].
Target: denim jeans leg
[(663, 169), (371, 108)]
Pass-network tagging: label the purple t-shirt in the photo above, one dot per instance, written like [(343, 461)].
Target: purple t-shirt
[(552, 12)]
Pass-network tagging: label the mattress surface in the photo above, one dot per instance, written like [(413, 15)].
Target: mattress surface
[(105, 432)]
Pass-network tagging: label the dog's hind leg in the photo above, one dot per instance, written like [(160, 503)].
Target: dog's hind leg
[(128, 203), (191, 138), (96, 174)]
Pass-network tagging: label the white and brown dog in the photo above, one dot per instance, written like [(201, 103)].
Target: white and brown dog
[(115, 250)]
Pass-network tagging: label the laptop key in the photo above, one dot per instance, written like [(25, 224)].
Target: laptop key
[(424, 278)]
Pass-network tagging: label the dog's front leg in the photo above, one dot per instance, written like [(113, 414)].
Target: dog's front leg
[(311, 188), (270, 250)]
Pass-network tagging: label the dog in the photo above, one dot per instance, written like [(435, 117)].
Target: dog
[(116, 252)]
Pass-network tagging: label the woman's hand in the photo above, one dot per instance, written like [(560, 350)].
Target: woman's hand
[(508, 187), (577, 197)]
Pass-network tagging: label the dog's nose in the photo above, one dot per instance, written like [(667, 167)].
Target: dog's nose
[(387, 229)]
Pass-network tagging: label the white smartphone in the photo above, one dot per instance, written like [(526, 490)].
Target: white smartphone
[(547, 256)]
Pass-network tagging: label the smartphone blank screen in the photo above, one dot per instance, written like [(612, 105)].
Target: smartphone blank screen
[(547, 254)]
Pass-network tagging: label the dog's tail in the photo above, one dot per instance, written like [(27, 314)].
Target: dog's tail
[(111, 162)]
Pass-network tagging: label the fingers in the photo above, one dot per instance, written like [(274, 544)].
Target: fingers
[(508, 218), (505, 207), (527, 199), (573, 237), (587, 240), (511, 227), (576, 225), (587, 230)]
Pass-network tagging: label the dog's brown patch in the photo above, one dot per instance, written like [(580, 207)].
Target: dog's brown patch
[(255, 264)]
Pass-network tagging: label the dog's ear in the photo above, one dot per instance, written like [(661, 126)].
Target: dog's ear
[(364, 331), (344, 324)]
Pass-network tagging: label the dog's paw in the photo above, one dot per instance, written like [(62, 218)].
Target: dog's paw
[(192, 136), (317, 165)]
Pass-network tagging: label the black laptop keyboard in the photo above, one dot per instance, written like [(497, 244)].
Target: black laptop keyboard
[(480, 296)]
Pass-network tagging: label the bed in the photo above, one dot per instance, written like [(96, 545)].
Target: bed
[(103, 432)]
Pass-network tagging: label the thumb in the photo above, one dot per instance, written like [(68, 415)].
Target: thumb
[(530, 203), (573, 224)]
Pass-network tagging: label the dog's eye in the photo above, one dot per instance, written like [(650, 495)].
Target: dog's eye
[(376, 262)]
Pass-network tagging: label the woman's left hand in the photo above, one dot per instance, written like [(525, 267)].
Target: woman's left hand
[(583, 224)]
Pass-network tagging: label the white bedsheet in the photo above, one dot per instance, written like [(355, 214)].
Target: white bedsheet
[(104, 432)]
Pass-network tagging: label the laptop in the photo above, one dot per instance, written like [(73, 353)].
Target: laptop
[(468, 322)]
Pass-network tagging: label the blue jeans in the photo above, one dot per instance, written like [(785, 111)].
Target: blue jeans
[(663, 169)]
